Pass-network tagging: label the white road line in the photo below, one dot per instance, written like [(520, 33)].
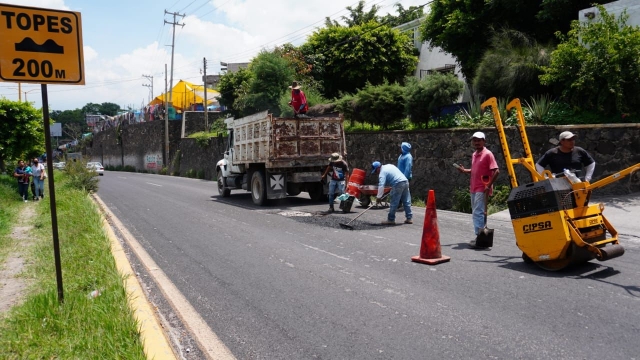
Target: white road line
[(154, 184), (122, 177), (326, 252)]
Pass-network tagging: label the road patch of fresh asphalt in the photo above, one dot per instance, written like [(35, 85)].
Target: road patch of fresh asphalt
[(331, 220)]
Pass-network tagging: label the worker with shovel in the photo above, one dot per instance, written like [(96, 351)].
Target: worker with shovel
[(484, 170), (390, 175)]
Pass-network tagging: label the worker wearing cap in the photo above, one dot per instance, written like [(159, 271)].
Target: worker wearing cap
[(567, 156), (484, 171), (338, 169), (390, 175)]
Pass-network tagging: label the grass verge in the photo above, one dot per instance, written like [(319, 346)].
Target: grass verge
[(83, 327), (8, 213)]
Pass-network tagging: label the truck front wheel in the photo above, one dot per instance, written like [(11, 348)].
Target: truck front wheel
[(222, 190), (258, 188)]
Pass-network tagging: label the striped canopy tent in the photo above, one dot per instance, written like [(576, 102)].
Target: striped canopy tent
[(186, 94)]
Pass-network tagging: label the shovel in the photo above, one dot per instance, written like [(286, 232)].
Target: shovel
[(348, 225), (485, 237)]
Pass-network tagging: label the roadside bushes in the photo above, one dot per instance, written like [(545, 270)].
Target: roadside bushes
[(425, 97), (80, 177), (388, 104)]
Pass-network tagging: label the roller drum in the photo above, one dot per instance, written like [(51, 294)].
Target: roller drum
[(611, 251)]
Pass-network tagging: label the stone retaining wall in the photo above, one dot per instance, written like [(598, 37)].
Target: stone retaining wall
[(614, 147)]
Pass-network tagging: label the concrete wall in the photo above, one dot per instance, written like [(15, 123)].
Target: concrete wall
[(614, 148), (138, 145)]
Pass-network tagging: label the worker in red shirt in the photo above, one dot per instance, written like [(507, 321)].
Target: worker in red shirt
[(298, 100)]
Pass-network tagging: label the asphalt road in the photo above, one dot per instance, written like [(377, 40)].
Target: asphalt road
[(287, 282)]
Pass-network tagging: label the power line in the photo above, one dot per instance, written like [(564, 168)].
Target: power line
[(233, 57), (173, 45)]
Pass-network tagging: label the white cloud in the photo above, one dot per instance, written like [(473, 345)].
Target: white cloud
[(235, 32), (47, 4), (89, 53)]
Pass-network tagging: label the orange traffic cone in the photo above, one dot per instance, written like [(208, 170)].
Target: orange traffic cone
[(430, 252)]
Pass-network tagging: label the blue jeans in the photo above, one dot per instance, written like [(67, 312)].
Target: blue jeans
[(400, 193), (332, 190), (477, 211), (23, 190), (39, 185)]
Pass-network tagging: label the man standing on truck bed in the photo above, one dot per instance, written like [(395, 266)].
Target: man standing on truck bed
[(339, 171), (298, 100)]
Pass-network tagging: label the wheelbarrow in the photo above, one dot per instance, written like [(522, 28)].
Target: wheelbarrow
[(367, 191)]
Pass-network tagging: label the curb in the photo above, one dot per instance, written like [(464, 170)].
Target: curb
[(155, 343)]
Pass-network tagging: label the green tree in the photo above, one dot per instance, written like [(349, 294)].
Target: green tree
[(596, 65), (348, 58), (108, 108), (381, 104), (511, 66), (348, 106), (21, 131), (231, 87), (298, 62), (357, 15), (271, 75), (464, 28), (425, 97), (404, 15), (91, 108)]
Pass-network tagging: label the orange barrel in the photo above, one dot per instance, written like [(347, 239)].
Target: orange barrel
[(355, 182)]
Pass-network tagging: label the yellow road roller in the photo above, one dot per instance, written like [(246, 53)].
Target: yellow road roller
[(554, 224)]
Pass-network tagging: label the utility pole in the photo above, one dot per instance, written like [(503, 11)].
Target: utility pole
[(150, 78), (20, 92), (173, 45), (166, 121), (206, 119)]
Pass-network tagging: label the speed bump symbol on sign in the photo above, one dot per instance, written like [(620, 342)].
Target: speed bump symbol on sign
[(41, 46)]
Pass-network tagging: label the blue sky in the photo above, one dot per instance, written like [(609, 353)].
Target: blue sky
[(124, 39)]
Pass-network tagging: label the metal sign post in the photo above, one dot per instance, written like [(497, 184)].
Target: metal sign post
[(42, 46)]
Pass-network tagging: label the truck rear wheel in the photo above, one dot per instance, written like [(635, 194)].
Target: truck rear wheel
[(316, 192), (258, 188), (222, 190)]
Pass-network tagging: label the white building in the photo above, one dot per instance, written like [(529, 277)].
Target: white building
[(616, 8), (433, 59)]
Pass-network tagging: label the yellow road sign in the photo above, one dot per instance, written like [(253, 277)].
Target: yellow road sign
[(41, 46)]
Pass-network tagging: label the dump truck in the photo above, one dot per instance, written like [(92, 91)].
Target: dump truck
[(274, 157)]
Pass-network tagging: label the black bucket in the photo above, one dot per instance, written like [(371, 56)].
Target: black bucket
[(345, 205)]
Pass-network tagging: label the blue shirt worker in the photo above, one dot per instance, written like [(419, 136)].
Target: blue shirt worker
[(390, 175), (405, 164), (338, 169), (405, 160)]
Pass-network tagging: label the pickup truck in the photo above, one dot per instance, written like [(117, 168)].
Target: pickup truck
[(274, 157)]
